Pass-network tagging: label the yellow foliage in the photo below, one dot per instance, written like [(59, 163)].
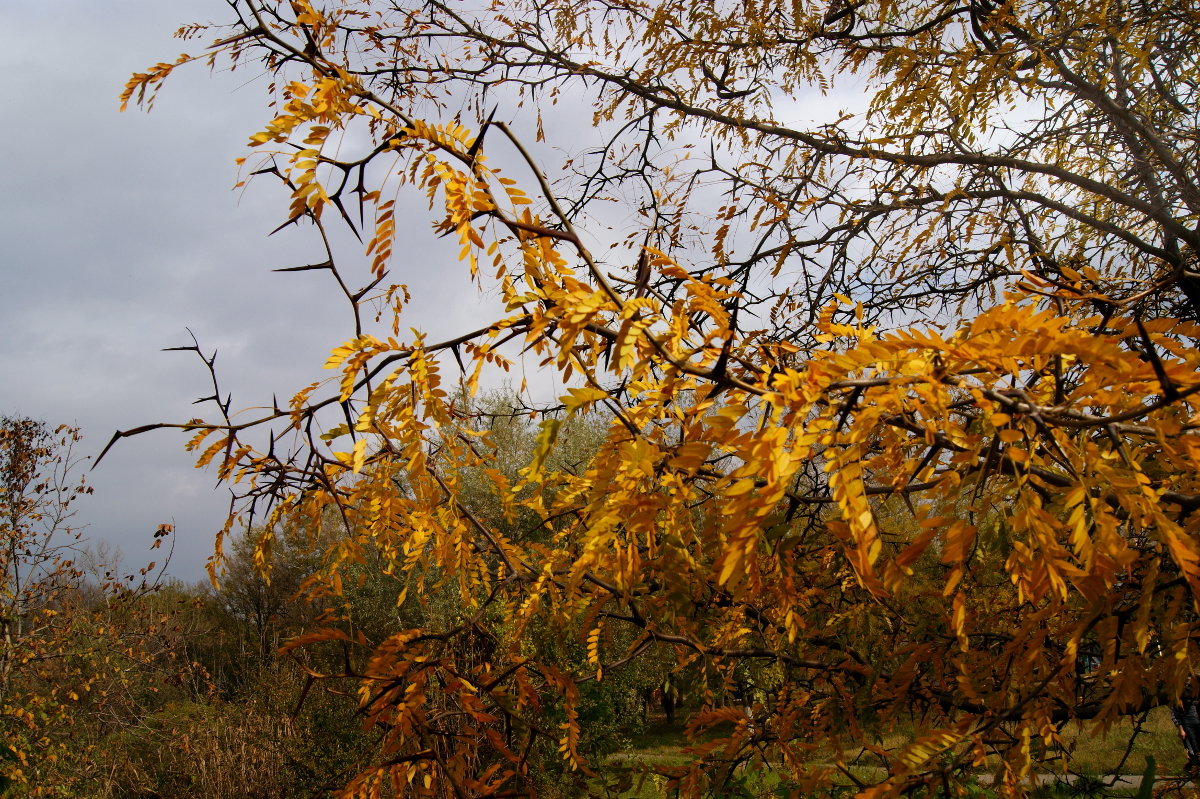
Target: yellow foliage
[(898, 407)]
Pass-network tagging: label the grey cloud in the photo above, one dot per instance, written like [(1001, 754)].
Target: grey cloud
[(121, 230)]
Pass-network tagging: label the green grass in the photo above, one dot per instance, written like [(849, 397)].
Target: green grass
[(662, 744), (1093, 753), (1090, 753)]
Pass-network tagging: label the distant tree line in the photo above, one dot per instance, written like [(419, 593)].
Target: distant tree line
[(125, 683)]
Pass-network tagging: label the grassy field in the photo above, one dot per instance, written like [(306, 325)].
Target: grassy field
[(1089, 754), (1095, 754)]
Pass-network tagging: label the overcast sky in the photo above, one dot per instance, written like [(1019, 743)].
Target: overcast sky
[(121, 230)]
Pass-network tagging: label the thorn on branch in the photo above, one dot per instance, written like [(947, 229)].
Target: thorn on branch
[(117, 436), (309, 267), (256, 31), (358, 295), (290, 221), (473, 152), (337, 201)]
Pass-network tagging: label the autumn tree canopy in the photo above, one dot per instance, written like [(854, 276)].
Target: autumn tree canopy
[(897, 404)]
